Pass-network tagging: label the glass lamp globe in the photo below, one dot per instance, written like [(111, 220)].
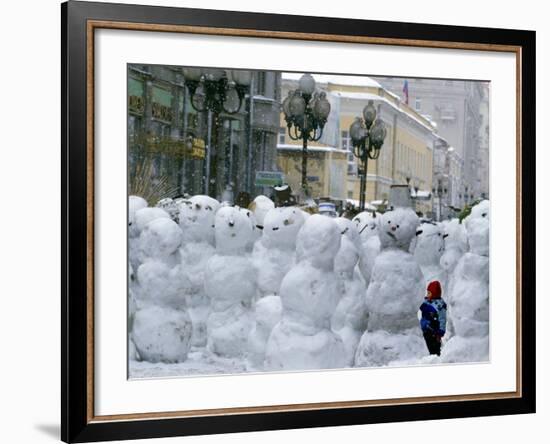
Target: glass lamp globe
[(356, 130), (199, 98), (321, 108), (297, 105), (193, 74), (232, 102), (378, 133), (306, 84), (286, 104), (369, 113)]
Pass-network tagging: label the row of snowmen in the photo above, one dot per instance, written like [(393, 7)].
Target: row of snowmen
[(286, 290)]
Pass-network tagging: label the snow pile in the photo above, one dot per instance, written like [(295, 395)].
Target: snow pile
[(274, 252), (394, 294), (309, 294), (469, 300), (230, 284), (367, 226)]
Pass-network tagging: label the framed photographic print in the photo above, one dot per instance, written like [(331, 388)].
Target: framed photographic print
[(275, 221)]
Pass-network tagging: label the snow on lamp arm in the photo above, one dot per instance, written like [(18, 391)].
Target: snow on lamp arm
[(306, 112), (367, 137)]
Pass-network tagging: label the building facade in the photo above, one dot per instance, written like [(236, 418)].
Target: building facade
[(167, 137), (406, 156), (459, 110)]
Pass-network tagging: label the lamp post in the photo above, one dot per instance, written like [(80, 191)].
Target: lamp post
[(367, 136), (214, 91), (306, 112), (439, 191)]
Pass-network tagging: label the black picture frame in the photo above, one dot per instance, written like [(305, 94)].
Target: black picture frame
[(77, 424)]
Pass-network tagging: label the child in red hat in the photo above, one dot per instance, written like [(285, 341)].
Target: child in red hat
[(434, 318)]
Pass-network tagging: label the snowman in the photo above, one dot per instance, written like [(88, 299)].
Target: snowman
[(230, 284), (260, 206), (367, 226), (350, 318), (310, 293), (456, 244), (469, 300), (162, 327), (136, 225), (196, 219), (428, 248), (394, 295), (274, 252)]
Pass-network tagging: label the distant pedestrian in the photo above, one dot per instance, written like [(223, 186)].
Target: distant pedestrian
[(434, 318)]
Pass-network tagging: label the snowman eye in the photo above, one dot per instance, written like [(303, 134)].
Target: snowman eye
[(209, 208), (197, 206), (397, 226), (484, 215), (286, 222), (389, 222)]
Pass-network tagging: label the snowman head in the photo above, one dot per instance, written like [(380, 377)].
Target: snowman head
[(170, 206), (281, 226), (159, 239), (366, 223), (318, 241), (260, 206), (454, 235), (348, 254), (233, 230), (143, 217), (135, 203), (429, 243), (196, 218), (477, 227), (397, 228)]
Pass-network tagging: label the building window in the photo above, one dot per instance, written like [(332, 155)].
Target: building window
[(417, 103), (282, 135), (345, 141)]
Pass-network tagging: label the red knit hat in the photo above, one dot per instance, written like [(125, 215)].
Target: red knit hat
[(434, 288)]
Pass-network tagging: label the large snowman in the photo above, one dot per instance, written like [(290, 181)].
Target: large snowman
[(139, 215), (367, 226), (350, 318), (196, 219), (274, 253), (469, 300), (394, 295), (230, 284), (161, 325), (309, 294), (428, 248), (456, 245)]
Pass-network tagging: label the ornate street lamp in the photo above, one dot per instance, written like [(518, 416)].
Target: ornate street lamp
[(306, 112), (214, 91), (367, 136)]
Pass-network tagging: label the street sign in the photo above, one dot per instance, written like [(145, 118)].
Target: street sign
[(269, 178)]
